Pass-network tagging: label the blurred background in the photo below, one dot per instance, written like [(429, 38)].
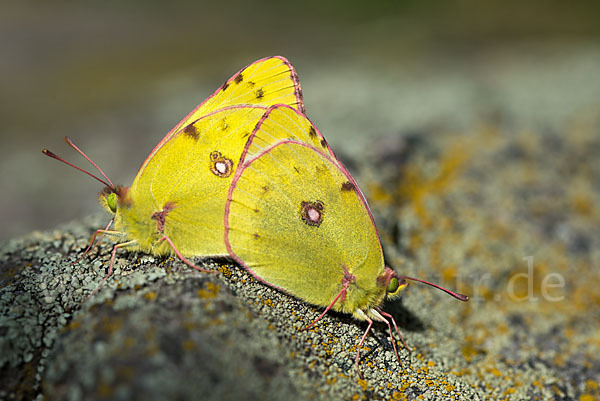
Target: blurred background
[(117, 76)]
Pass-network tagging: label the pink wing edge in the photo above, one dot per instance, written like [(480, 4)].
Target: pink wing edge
[(247, 163), (178, 126)]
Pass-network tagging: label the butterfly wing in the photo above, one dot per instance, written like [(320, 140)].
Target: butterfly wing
[(265, 82), (297, 221), (182, 190), (284, 123)]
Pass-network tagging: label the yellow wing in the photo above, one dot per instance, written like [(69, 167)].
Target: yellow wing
[(265, 82), (181, 188), (282, 122), (181, 192), (298, 222)]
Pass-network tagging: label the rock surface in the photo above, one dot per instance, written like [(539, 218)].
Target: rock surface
[(507, 216), (482, 169)]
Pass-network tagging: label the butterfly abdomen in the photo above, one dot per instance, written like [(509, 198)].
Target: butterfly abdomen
[(145, 226), (359, 298)]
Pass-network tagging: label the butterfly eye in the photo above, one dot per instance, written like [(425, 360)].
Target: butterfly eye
[(111, 202), (395, 287)]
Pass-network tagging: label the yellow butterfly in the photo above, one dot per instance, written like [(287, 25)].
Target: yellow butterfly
[(246, 174), (177, 200), (296, 219)]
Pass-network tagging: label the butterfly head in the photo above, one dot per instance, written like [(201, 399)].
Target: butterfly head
[(396, 283), (112, 197), (393, 284)]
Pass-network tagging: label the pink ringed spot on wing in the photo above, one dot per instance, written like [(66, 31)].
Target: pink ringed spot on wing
[(312, 212), (219, 165)]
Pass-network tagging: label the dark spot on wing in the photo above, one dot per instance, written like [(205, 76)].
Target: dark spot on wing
[(312, 132), (191, 131), (225, 86), (321, 168), (296, 170), (294, 77), (256, 235), (347, 186), (251, 84), (239, 78), (260, 93), (324, 143)]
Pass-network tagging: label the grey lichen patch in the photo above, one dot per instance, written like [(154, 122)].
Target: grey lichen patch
[(35, 302), (511, 217), (160, 330)]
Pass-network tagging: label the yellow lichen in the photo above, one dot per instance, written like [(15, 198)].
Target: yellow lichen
[(188, 345), (210, 291), (150, 296)]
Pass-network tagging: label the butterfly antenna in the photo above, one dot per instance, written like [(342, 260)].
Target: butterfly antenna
[(71, 144), (54, 156), (456, 295)]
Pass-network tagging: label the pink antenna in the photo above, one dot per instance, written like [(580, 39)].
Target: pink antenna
[(456, 295), (71, 144)]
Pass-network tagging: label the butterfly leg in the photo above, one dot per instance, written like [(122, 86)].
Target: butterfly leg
[(93, 242), (378, 314), (396, 327), (341, 293), (110, 266), (346, 281), (183, 259), (362, 340)]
